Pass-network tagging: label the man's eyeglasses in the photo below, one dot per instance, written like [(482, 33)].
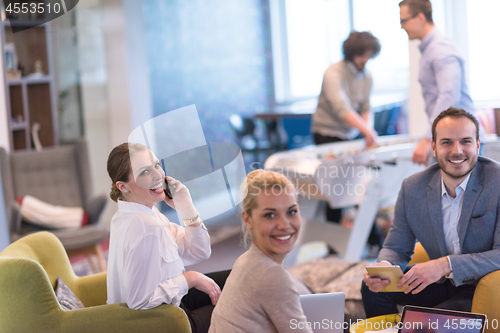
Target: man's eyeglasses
[(403, 21)]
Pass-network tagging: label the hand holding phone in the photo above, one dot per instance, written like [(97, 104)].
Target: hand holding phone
[(182, 203)]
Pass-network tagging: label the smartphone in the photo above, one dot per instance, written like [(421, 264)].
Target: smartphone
[(166, 190)]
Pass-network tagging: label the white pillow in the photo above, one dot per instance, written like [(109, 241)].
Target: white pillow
[(49, 216)]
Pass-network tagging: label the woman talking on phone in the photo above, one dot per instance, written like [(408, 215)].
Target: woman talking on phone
[(147, 252), (260, 295)]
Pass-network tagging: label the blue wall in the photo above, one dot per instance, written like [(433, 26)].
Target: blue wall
[(215, 54)]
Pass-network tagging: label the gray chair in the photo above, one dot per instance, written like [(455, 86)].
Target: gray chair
[(59, 176), (259, 146)]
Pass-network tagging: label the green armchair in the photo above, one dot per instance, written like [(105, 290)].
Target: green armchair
[(29, 269)]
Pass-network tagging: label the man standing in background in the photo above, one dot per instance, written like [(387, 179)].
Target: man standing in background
[(442, 68), (343, 111), (344, 102)]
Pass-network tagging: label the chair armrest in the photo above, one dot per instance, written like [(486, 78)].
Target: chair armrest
[(91, 289), (419, 255), (166, 318), (486, 298), (26, 295), (15, 220), (94, 208)]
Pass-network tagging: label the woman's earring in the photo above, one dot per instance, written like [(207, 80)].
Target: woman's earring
[(126, 191)]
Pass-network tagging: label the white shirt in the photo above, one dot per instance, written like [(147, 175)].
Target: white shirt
[(147, 254), (451, 208)]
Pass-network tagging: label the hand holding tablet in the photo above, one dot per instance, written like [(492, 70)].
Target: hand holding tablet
[(391, 273)]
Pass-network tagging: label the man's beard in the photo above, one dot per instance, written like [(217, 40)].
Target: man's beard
[(443, 167)]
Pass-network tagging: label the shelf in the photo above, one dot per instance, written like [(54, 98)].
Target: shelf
[(29, 80), (30, 99), (19, 126)]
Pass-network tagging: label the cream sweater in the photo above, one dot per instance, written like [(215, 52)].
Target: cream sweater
[(344, 88), (259, 296)]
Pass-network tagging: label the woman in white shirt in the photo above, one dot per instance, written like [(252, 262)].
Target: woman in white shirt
[(147, 252), (259, 294)]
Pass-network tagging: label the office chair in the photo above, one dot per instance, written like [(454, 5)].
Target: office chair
[(244, 129)]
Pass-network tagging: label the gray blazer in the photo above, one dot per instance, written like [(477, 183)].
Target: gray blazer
[(418, 216)]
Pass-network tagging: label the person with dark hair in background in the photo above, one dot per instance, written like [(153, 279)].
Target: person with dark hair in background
[(442, 69), (452, 209), (344, 102), (343, 111)]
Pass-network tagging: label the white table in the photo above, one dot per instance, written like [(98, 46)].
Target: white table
[(345, 174)]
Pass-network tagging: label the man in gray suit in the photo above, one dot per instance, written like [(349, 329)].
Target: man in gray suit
[(452, 208)]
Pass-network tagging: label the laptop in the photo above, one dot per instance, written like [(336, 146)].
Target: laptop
[(324, 312), (422, 320)]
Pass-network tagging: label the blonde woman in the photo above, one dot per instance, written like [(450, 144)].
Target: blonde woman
[(147, 252), (259, 294)]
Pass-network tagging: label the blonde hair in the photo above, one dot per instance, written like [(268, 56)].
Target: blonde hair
[(257, 182)]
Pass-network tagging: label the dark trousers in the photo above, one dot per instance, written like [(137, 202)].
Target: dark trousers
[(321, 139), (437, 295), (198, 305)]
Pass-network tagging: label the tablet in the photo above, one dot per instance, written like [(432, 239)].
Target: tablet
[(419, 319), (392, 273)]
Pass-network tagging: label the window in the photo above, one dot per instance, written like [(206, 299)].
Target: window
[(308, 36), (483, 50), (315, 29), (390, 68)]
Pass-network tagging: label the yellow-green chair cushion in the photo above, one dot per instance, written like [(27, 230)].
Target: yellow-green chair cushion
[(29, 269), (487, 300)]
